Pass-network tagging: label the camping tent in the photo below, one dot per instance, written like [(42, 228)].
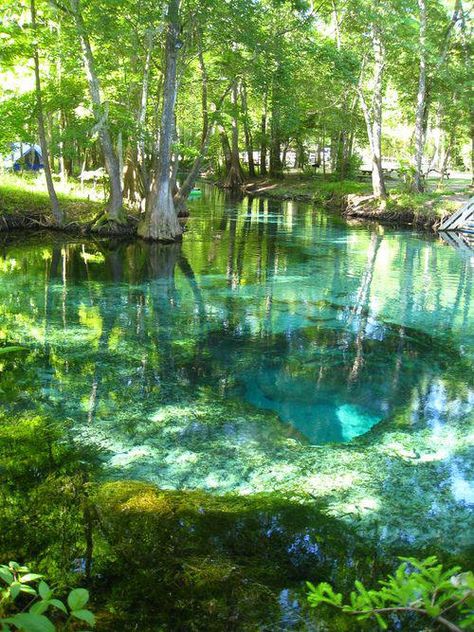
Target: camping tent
[(24, 156)]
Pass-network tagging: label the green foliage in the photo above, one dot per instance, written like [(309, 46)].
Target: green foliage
[(422, 588), (27, 603)]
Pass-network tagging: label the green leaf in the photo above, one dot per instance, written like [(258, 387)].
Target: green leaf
[(28, 622), (382, 623), (78, 598), (15, 588), (39, 607), (58, 604), (6, 575), (30, 577), (44, 590), (5, 350), (28, 589), (84, 615)]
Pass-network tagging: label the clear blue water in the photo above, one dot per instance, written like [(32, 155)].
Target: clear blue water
[(278, 347)]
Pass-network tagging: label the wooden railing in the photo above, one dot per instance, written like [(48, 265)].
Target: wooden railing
[(459, 219)]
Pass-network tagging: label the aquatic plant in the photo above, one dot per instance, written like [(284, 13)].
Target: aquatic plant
[(418, 587), (34, 616)]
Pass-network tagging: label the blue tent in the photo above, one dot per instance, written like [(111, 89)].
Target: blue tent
[(25, 156)]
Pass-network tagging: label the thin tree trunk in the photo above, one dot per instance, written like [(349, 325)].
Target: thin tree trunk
[(247, 131), (373, 115), (207, 129), (115, 209), (61, 119), (161, 221), (234, 178), (418, 184), (226, 152), (263, 143), (276, 168), (141, 118), (465, 42), (120, 157), (378, 182), (56, 210)]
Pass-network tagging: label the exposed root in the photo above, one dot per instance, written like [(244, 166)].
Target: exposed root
[(109, 227), (43, 222)]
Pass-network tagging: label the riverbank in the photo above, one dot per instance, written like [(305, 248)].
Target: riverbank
[(25, 206), (353, 199)]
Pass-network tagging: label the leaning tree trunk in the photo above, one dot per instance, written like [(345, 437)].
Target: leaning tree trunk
[(56, 210), (161, 221), (420, 105), (234, 179), (115, 211)]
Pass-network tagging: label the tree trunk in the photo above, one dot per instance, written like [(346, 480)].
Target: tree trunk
[(378, 182), (276, 168), (187, 186), (120, 157), (61, 120), (247, 131), (263, 142), (234, 178), (373, 116), (226, 152), (465, 42), (56, 210), (115, 209), (161, 221), (141, 118), (418, 184)]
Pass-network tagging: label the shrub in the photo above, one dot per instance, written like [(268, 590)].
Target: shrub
[(33, 616), (419, 588)]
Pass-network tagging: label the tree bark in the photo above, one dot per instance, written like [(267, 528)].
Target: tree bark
[(263, 142), (418, 184), (115, 211), (247, 131), (276, 167), (161, 221), (234, 178), (465, 42), (226, 152), (55, 208), (378, 181), (141, 118), (373, 115)]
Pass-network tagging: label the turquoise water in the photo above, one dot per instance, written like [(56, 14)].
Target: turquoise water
[(277, 349)]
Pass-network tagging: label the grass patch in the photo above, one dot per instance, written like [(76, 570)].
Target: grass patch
[(308, 188), (22, 196), (432, 204)]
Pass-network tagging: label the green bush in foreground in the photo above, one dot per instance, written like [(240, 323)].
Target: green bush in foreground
[(418, 588), (31, 616)]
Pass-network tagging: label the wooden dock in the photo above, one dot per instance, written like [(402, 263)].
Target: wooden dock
[(461, 220)]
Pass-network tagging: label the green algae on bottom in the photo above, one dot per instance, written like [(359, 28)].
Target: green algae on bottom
[(399, 485)]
